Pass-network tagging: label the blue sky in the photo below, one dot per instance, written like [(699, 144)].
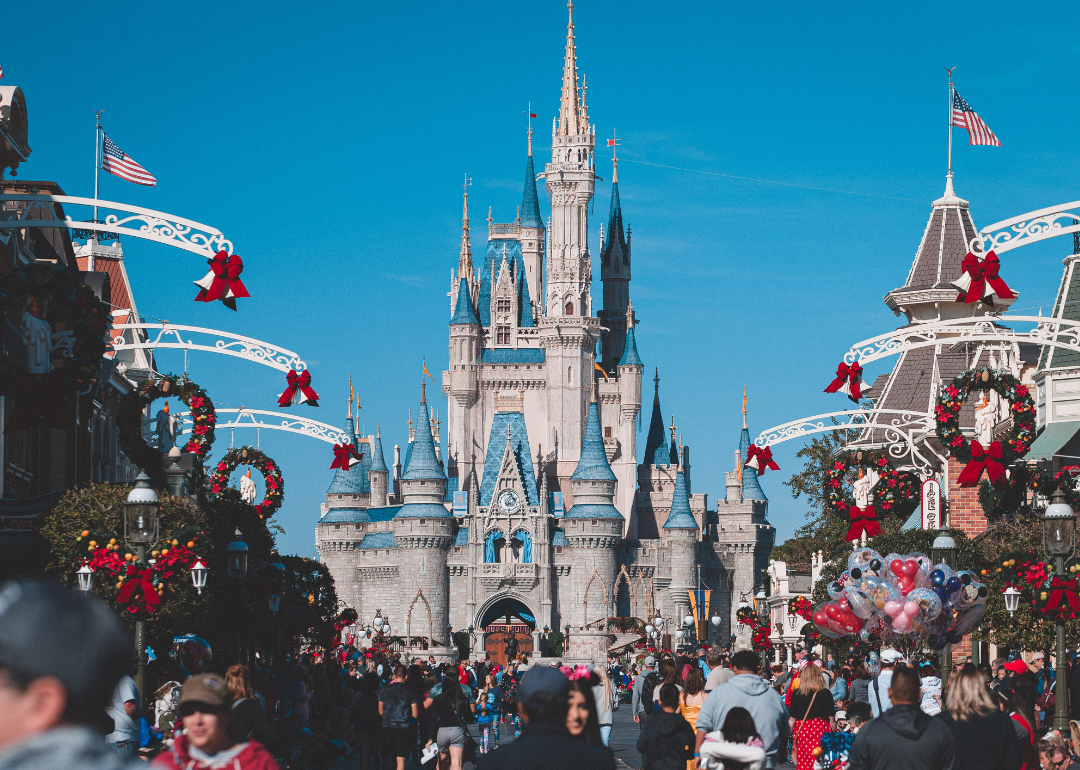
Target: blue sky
[(329, 142)]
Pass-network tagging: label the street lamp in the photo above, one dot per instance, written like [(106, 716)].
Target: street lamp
[(198, 575), (141, 530), (943, 551), (237, 554), (274, 602), (141, 515), (740, 627), (85, 574), (1012, 600), (1059, 529)]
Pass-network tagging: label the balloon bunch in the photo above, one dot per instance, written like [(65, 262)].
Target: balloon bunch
[(901, 596)]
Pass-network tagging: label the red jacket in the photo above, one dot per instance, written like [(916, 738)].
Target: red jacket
[(253, 757)]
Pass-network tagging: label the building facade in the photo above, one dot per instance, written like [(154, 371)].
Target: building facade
[(536, 513)]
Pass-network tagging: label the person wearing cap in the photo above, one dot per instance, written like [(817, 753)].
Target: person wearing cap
[(543, 701), (637, 699), (205, 712), (61, 655), (879, 687)]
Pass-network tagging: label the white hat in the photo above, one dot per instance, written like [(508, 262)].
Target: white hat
[(891, 656)]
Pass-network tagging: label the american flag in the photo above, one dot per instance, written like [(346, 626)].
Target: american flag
[(115, 161), (964, 117)]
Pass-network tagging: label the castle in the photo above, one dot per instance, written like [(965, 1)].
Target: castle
[(535, 514)]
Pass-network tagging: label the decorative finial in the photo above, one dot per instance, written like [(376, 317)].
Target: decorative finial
[(378, 430), (656, 386), (672, 429), (352, 395), (613, 143), (631, 321), (744, 406), (531, 115)]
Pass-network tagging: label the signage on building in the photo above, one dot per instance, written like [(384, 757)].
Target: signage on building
[(557, 505), (931, 504), (461, 503)]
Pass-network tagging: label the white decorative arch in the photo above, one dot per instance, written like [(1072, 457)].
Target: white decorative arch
[(603, 595), (178, 337), (134, 221), (902, 432), (1052, 332), (1027, 228), (408, 618), (255, 418)]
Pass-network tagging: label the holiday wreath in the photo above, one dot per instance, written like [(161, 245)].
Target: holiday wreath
[(896, 492), (41, 290), (130, 417), (247, 455), (999, 454)]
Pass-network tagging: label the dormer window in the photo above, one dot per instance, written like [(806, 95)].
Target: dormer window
[(502, 335), (502, 306)]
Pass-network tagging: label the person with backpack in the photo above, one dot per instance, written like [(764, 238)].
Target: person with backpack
[(667, 742), (646, 682)]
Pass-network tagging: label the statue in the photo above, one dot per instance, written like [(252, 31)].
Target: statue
[(247, 488), (862, 487), (37, 334), (985, 416), (165, 429)]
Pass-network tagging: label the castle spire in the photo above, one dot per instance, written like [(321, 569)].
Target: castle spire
[(465, 266), (568, 105), (656, 443), (529, 212), (352, 395)]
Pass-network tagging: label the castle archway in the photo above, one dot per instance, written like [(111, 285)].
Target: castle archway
[(507, 623)]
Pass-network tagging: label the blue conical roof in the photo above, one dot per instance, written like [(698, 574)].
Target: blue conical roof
[(593, 465), (751, 489), (530, 204), (463, 310), (422, 463), (616, 239), (680, 516), (350, 482), (630, 355), (378, 462)]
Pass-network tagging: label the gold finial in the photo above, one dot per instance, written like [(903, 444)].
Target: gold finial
[(672, 429), (743, 411), (614, 143), (352, 394)]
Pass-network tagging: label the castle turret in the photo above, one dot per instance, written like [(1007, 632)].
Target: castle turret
[(680, 537), (532, 235), (630, 371), (593, 527), (378, 474), (656, 444), (423, 530), (615, 275)]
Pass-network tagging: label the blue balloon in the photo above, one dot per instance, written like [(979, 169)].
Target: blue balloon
[(936, 642), (952, 585), (937, 578), (942, 594)]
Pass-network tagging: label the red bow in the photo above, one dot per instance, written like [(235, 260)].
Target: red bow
[(1063, 589), (343, 456), (299, 390), (983, 273), (863, 520), (223, 281), (759, 459), (983, 457), (139, 579), (851, 376)]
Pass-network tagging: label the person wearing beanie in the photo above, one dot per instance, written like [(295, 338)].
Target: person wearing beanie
[(61, 655), (206, 712)]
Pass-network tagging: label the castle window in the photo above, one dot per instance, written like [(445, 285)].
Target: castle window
[(569, 308), (502, 335), (421, 522), (337, 526), (502, 306), (558, 549), (607, 432), (457, 549)]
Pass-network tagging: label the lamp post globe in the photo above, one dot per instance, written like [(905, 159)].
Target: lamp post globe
[(716, 620), (237, 554), (85, 574), (198, 575), (141, 513), (1012, 600), (649, 629)]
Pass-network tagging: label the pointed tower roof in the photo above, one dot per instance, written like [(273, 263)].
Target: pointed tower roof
[(465, 265), (423, 464), (615, 245), (463, 310), (1066, 306), (630, 355), (350, 482), (593, 464), (656, 444), (490, 272), (519, 445), (568, 100), (680, 516), (530, 203), (751, 489), (378, 462)]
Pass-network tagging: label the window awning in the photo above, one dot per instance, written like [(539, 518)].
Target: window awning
[(1053, 438)]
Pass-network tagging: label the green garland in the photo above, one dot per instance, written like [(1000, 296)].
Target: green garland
[(72, 306), (249, 455), (947, 412), (130, 417), (897, 493)]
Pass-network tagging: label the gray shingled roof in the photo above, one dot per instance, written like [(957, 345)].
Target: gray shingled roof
[(943, 246), (1067, 305)]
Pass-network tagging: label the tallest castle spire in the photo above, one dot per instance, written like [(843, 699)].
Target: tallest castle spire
[(569, 117)]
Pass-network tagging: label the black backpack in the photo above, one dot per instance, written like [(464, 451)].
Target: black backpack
[(652, 679)]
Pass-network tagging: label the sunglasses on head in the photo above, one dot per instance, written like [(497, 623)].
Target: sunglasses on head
[(189, 708)]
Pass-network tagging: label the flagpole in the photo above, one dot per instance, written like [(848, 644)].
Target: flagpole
[(97, 163), (951, 86)]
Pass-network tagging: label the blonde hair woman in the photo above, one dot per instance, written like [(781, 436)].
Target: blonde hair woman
[(812, 714), (604, 695), (249, 720), (983, 735)]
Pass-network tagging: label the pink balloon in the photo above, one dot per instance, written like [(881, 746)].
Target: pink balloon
[(902, 624), (911, 608), (893, 608)]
